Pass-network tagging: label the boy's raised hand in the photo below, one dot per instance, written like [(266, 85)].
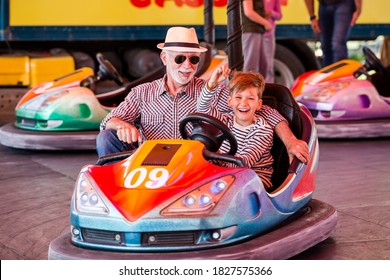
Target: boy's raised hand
[(219, 75)]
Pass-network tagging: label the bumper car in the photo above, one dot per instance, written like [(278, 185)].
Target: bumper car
[(64, 113), (348, 99), (173, 199)]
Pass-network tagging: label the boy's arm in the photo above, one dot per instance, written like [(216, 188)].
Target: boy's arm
[(206, 102), (312, 16), (356, 14), (247, 7)]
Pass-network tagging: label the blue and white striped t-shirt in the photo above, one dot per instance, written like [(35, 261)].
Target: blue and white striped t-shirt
[(254, 142)]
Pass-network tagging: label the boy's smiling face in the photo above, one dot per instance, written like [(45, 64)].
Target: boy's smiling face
[(244, 105)]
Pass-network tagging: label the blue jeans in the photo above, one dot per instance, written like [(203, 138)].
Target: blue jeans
[(334, 21), (107, 142)]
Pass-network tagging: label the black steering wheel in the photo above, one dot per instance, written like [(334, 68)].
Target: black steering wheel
[(208, 130), (211, 132), (372, 62), (107, 70)]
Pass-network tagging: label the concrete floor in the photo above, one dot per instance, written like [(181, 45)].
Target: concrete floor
[(353, 176), (36, 189)]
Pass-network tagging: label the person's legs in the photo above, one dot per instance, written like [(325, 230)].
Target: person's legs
[(269, 54), (107, 142), (250, 48), (326, 22), (342, 21)]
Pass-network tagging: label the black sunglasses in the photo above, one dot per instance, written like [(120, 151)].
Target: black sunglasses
[(179, 59)]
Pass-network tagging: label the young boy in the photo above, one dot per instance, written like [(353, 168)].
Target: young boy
[(254, 135)]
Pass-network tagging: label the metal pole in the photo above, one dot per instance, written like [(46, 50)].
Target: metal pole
[(208, 29), (234, 30)]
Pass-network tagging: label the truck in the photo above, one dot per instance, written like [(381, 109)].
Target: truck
[(127, 31)]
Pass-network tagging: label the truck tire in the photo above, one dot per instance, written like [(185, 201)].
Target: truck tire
[(83, 60), (290, 60), (140, 62), (305, 54), (282, 74)]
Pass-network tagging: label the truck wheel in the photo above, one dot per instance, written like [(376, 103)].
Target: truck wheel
[(283, 74), (306, 55), (140, 62), (83, 60), (288, 58)]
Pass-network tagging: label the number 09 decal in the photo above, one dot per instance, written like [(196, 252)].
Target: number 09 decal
[(155, 179)]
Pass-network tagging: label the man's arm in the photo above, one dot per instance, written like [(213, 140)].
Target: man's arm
[(122, 119), (295, 147), (312, 16), (126, 132), (310, 7), (356, 14)]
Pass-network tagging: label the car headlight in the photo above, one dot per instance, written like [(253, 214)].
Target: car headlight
[(325, 92), (43, 101), (86, 198), (201, 200)]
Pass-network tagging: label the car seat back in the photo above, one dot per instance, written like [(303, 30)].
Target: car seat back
[(280, 98), (381, 82)]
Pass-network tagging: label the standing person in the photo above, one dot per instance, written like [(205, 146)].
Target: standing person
[(254, 135), (335, 19), (153, 110), (254, 25), (273, 12)]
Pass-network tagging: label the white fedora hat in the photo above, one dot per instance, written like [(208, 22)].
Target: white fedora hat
[(181, 39)]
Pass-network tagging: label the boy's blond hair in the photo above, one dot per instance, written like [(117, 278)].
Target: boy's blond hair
[(241, 81)]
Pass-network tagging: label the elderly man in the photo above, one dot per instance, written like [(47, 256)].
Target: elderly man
[(153, 110)]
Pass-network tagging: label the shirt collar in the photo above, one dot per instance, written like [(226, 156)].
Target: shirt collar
[(185, 90)]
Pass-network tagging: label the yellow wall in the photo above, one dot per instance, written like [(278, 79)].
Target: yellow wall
[(155, 12), (100, 12)]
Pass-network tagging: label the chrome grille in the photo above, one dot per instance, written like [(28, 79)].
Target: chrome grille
[(170, 238), (102, 236), (26, 122)]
